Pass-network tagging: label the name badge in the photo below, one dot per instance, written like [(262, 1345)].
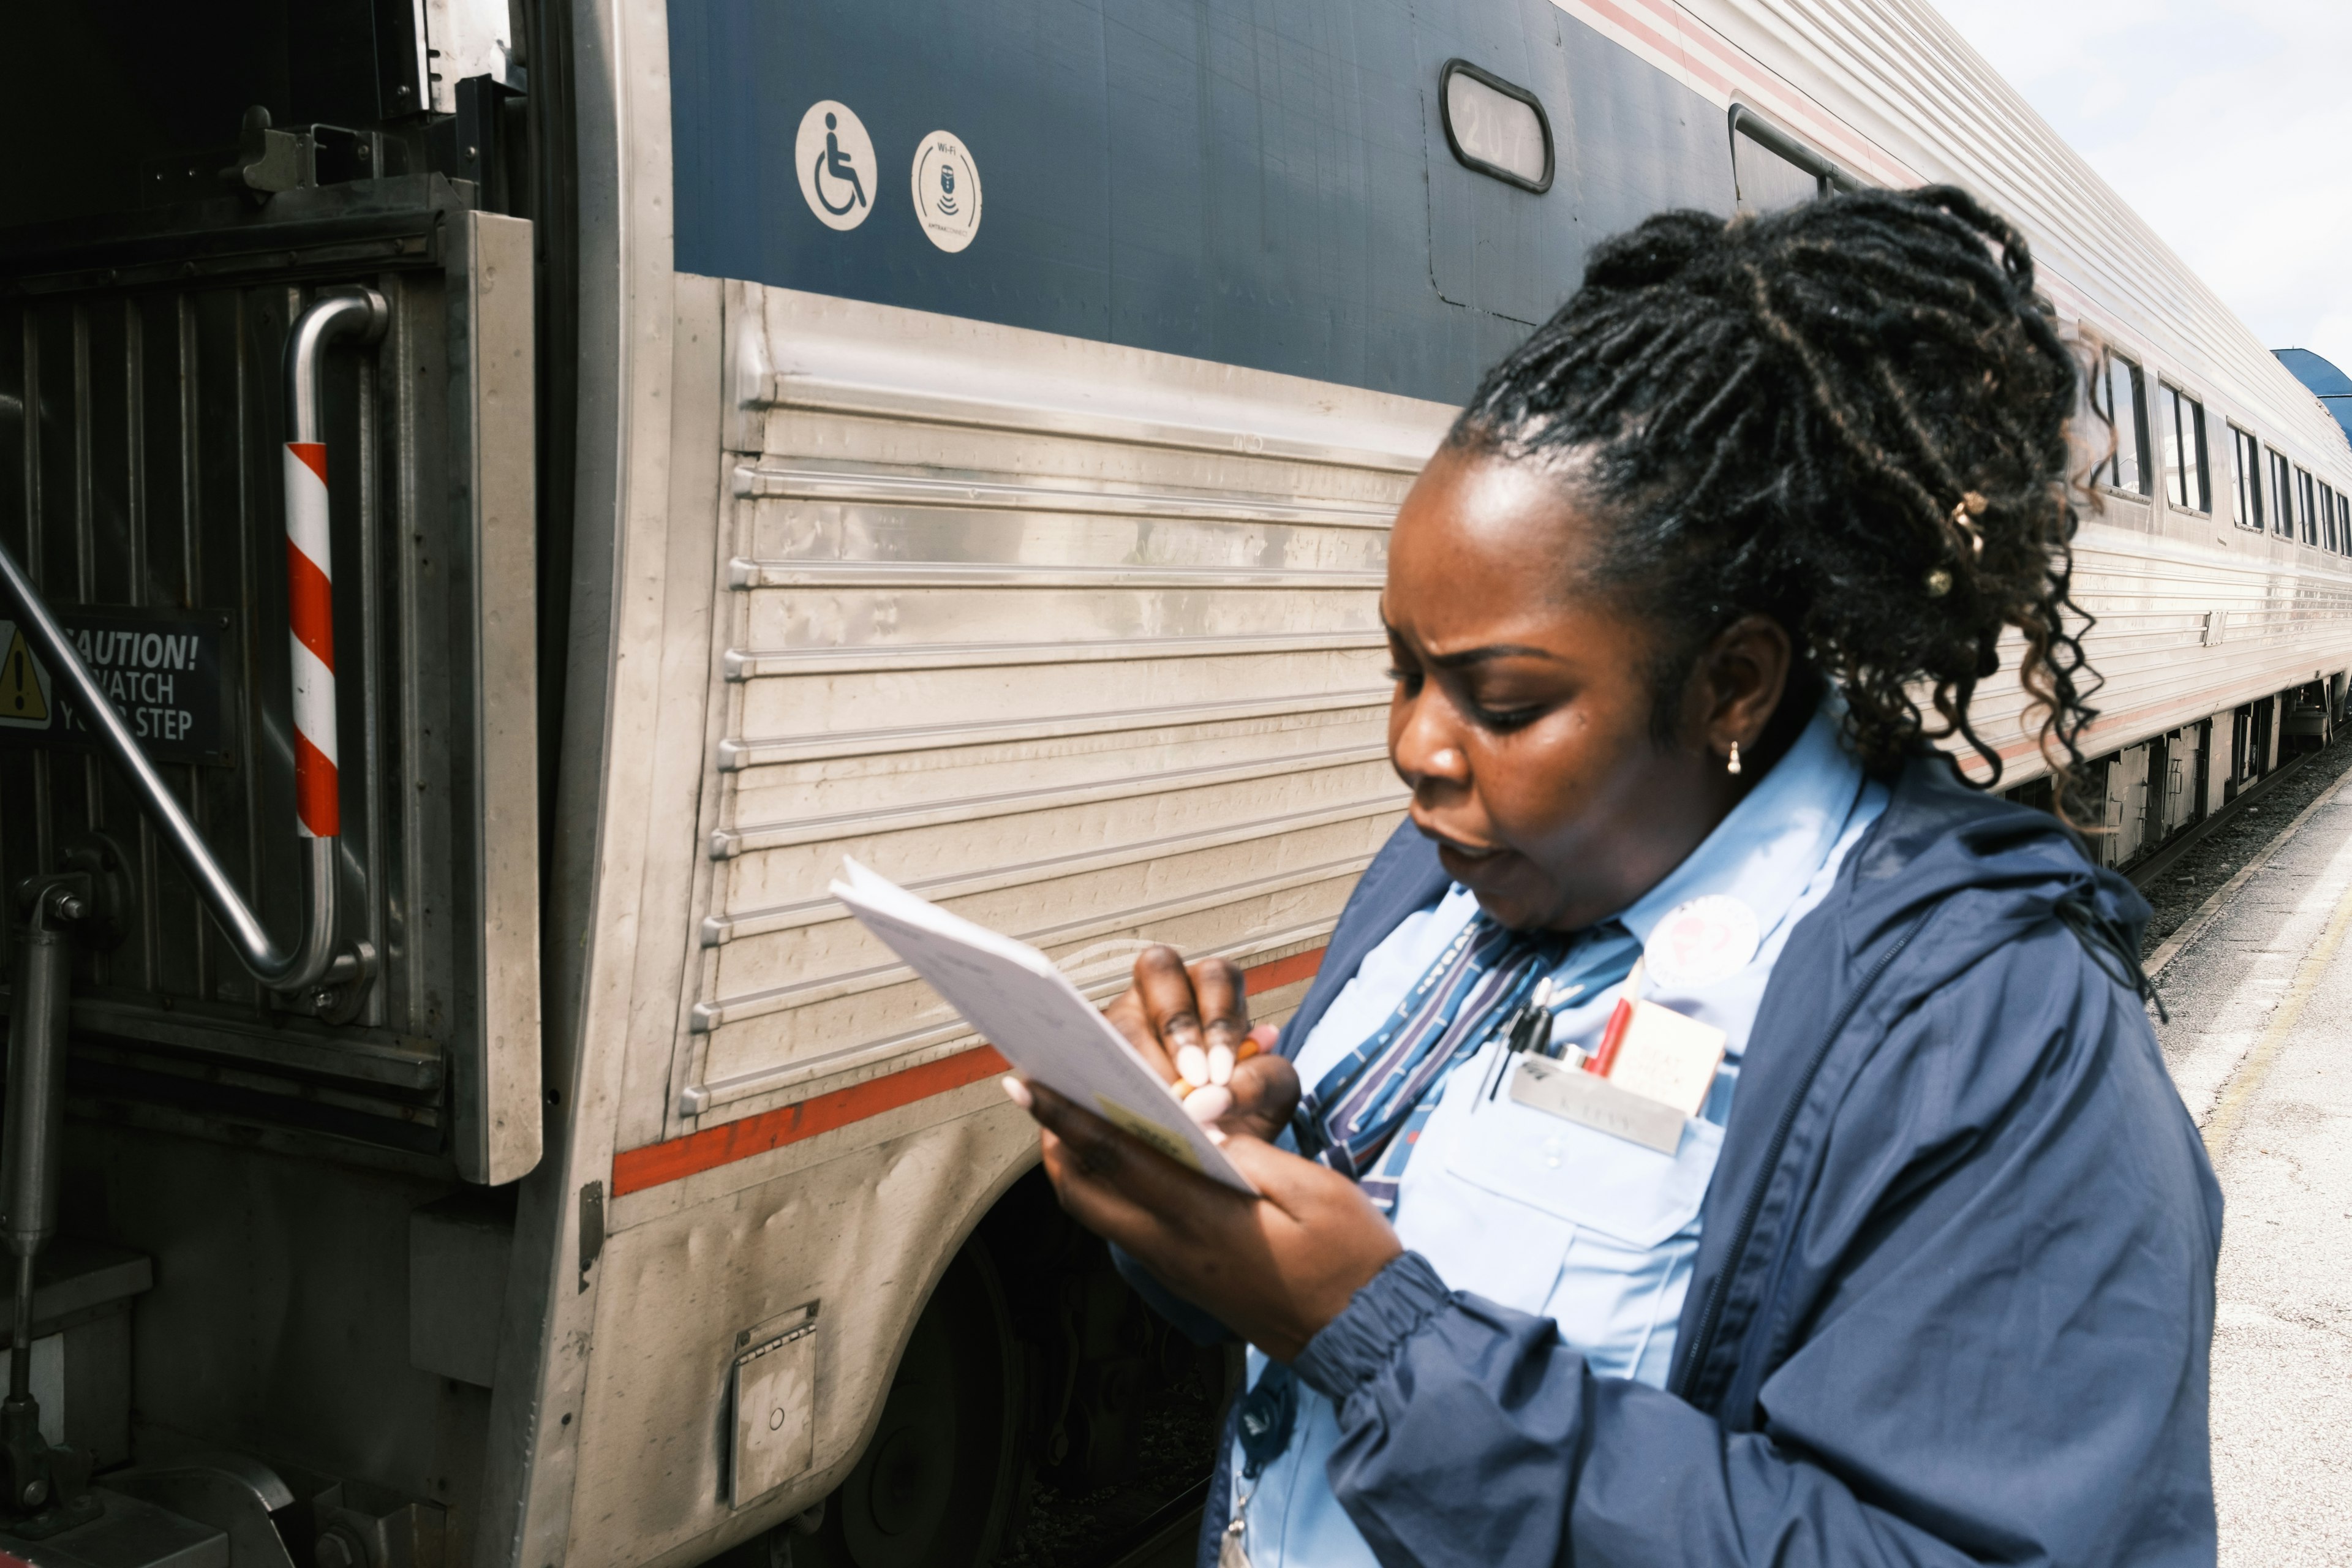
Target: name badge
[(1574, 1095), (1656, 1068)]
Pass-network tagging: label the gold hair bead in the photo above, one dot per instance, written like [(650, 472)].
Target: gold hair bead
[(1970, 505), (1939, 582)]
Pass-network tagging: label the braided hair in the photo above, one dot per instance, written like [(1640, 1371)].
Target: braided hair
[(1851, 416)]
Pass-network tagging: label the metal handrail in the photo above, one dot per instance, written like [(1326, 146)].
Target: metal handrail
[(1827, 176), (361, 313)]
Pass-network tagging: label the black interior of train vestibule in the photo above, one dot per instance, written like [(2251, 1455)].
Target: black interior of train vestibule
[(149, 84), (146, 108), (188, 182)]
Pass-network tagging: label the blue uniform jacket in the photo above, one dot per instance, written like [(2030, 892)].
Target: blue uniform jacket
[(1954, 1293)]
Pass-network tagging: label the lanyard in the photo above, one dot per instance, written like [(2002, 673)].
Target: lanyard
[(1364, 1116), (1356, 1111)]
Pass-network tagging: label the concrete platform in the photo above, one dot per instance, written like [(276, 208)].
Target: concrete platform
[(2260, 988)]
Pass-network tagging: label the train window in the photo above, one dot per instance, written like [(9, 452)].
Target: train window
[(2327, 510), (1495, 128), (2120, 392), (2281, 495), (2246, 475), (2186, 484), (2307, 506)]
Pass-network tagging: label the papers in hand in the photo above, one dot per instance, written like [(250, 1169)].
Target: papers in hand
[(1031, 1012)]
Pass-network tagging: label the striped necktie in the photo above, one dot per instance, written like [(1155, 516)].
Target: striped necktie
[(1385, 1087)]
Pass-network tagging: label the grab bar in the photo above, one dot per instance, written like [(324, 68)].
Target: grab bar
[(361, 314), (1827, 176)]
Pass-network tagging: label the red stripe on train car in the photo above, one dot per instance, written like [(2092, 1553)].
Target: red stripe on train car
[(1282, 971), (635, 1170)]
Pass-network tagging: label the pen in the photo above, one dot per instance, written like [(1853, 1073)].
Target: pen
[(1529, 1030), (1620, 1018), (1561, 999)]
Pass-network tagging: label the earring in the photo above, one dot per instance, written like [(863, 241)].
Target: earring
[(1733, 765)]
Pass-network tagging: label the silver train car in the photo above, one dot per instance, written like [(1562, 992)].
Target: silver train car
[(713, 438)]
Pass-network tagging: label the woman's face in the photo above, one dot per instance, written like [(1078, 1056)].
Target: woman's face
[(1521, 715)]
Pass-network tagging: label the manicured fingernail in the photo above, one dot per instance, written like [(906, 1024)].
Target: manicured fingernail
[(1018, 1093), (1215, 1135), (1221, 1064), (1206, 1104), (1192, 1062)]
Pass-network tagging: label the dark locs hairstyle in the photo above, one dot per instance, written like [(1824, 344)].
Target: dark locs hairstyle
[(1850, 415)]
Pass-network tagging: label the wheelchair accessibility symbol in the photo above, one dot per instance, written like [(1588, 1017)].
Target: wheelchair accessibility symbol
[(947, 191), (834, 158)]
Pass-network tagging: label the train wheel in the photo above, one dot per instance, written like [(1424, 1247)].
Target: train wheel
[(941, 1479)]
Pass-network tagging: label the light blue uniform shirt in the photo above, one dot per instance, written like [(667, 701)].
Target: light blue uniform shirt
[(1547, 1215)]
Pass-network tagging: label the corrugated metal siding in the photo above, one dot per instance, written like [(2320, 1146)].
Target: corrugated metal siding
[(1080, 639), (2164, 664), (1901, 75)]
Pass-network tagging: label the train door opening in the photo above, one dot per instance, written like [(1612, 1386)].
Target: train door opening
[(273, 293)]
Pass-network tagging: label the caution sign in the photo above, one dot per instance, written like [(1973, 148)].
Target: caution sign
[(24, 684), (166, 672)]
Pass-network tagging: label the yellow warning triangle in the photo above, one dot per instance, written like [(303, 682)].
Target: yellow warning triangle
[(20, 687)]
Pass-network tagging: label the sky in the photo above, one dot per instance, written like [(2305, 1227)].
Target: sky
[(2227, 124)]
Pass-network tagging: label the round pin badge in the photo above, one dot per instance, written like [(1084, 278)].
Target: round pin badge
[(1701, 942), (835, 160), (947, 191)]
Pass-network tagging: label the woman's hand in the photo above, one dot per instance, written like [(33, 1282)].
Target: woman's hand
[(1273, 1269), (1191, 1022)]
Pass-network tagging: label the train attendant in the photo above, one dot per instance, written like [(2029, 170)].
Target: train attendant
[(1718, 1133)]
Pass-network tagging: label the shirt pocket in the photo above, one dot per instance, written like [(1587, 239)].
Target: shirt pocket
[(1547, 1215), (1589, 1178)]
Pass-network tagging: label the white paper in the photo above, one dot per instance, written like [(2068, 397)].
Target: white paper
[(1031, 1012)]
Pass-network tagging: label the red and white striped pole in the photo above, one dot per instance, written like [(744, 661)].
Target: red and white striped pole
[(311, 578), (311, 619)]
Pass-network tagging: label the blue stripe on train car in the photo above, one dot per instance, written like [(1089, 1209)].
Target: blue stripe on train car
[(1266, 186)]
